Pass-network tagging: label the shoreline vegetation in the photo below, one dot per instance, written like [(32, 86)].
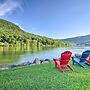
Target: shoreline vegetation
[(13, 35)]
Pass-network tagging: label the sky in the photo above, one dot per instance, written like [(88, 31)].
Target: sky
[(58, 19)]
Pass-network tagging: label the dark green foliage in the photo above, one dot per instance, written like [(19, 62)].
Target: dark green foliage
[(11, 34)]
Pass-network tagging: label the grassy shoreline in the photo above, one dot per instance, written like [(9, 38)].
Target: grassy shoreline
[(45, 77)]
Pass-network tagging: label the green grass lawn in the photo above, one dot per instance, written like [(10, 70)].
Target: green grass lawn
[(45, 77)]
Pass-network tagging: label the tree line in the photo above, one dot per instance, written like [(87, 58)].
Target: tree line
[(11, 34)]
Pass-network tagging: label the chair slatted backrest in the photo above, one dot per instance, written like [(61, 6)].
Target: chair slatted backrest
[(84, 56), (65, 57)]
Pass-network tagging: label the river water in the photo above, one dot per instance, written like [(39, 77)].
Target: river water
[(13, 55)]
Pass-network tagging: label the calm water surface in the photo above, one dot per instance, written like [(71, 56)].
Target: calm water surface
[(13, 55)]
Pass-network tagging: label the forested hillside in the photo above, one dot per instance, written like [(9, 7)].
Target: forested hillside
[(11, 34)]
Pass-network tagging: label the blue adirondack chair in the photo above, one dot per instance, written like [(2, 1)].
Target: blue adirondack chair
[(82, 60)]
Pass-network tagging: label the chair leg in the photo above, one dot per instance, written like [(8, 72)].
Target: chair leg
[(87, 64), (70, 67), (55, 64), (82, 66), (61, 69), (73, 60)]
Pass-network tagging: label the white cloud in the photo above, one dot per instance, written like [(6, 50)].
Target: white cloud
[(9, 6)]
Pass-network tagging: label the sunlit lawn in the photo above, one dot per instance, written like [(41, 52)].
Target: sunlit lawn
[(45, 77)]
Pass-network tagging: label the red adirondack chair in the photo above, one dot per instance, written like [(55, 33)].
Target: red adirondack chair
[(63, 61), (88, 60)]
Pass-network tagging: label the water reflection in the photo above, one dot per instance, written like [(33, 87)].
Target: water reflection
[(15, 55)]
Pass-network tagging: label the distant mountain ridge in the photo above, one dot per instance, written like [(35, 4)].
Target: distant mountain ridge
[(79, 40)]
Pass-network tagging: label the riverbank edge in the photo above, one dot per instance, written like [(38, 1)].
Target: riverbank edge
[(36, 61)]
